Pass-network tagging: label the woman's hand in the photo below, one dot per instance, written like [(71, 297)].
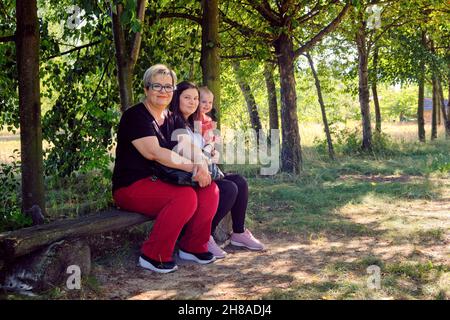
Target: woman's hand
[(202, 175)]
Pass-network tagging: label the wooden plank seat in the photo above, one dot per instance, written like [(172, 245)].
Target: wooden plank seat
[(17, 243)]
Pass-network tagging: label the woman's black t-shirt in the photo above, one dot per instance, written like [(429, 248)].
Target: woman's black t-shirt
[(137, 122)]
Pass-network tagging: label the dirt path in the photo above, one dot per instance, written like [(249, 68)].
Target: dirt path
[(290, 262)]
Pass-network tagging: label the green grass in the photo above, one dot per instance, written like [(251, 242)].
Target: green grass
[(398, 280), (331, 198)]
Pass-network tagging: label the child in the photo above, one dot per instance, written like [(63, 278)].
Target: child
[(208, 124), (233, 188)]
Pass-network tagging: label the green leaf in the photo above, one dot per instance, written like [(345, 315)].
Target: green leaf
[(136, 26)]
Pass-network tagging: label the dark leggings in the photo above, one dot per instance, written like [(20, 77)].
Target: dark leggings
[(233, 197)]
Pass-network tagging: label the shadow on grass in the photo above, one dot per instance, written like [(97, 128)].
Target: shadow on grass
[(313, 206), (349, 280)]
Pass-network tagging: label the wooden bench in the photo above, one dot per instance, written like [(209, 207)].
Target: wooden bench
[(17, 243), (42, 253)]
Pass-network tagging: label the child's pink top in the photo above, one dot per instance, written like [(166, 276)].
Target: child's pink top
[(207, 128)]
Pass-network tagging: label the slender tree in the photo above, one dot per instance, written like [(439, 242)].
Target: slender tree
[(210, 51), (322, 106), (127, 44), (421, 83), (271, 96), (443, 111), (435, 109), (376, 102), (252, 108)]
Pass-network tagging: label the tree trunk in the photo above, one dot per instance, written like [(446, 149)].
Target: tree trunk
[(272, 99), (435, 110), (438, 103), (210, 52), (249, 98), (322, 107), (126, 57), (376, 102), (123, 69), (420, 104), (291, 154), (271, 96), (363, 88), (448, 96), (210, 63), (27, 50), (445, 116)]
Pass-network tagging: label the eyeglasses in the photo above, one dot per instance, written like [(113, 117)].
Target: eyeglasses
[(159, 87)]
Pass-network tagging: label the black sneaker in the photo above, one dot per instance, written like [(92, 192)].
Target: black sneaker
[(202, 258), (157, 266)]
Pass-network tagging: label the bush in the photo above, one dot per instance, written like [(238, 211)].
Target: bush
[(11, 216), (349, 142)]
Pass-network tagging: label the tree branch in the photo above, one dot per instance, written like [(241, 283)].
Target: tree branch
[(244, 30), (329, 28), (98, 86), (180, 15), (118, 34), (310, 14), (240, 57), (11, 38), (378, 37), (266, 12), (4, 10), (138, 36), (74, 49)]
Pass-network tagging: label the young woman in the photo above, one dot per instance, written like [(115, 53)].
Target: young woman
[(233, 188)]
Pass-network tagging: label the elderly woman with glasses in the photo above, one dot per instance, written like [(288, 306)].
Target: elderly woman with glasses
[(144, 138)]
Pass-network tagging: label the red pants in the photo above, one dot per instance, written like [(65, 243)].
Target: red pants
[(173, 207)]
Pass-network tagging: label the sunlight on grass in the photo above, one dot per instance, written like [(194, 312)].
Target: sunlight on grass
[(403, 280)]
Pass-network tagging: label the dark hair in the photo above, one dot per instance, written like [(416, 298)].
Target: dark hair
[(175, 104), (213, 114)]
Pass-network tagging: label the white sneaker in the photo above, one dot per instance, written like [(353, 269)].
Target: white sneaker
[(160, 267), (202, 258)]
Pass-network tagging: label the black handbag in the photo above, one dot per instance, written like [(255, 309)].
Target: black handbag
[(183, 178), (180, 177), (173, 176)]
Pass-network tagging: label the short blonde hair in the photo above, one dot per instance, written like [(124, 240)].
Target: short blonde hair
[(205, 89), (158, 69)]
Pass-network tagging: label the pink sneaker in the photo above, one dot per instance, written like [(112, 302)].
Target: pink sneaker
[(215, 249), (247, 240)]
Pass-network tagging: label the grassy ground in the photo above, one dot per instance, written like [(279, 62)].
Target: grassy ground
[(354, 214), (323, 230)]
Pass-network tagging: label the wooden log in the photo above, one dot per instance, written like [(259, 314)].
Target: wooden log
[(20, 242)]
